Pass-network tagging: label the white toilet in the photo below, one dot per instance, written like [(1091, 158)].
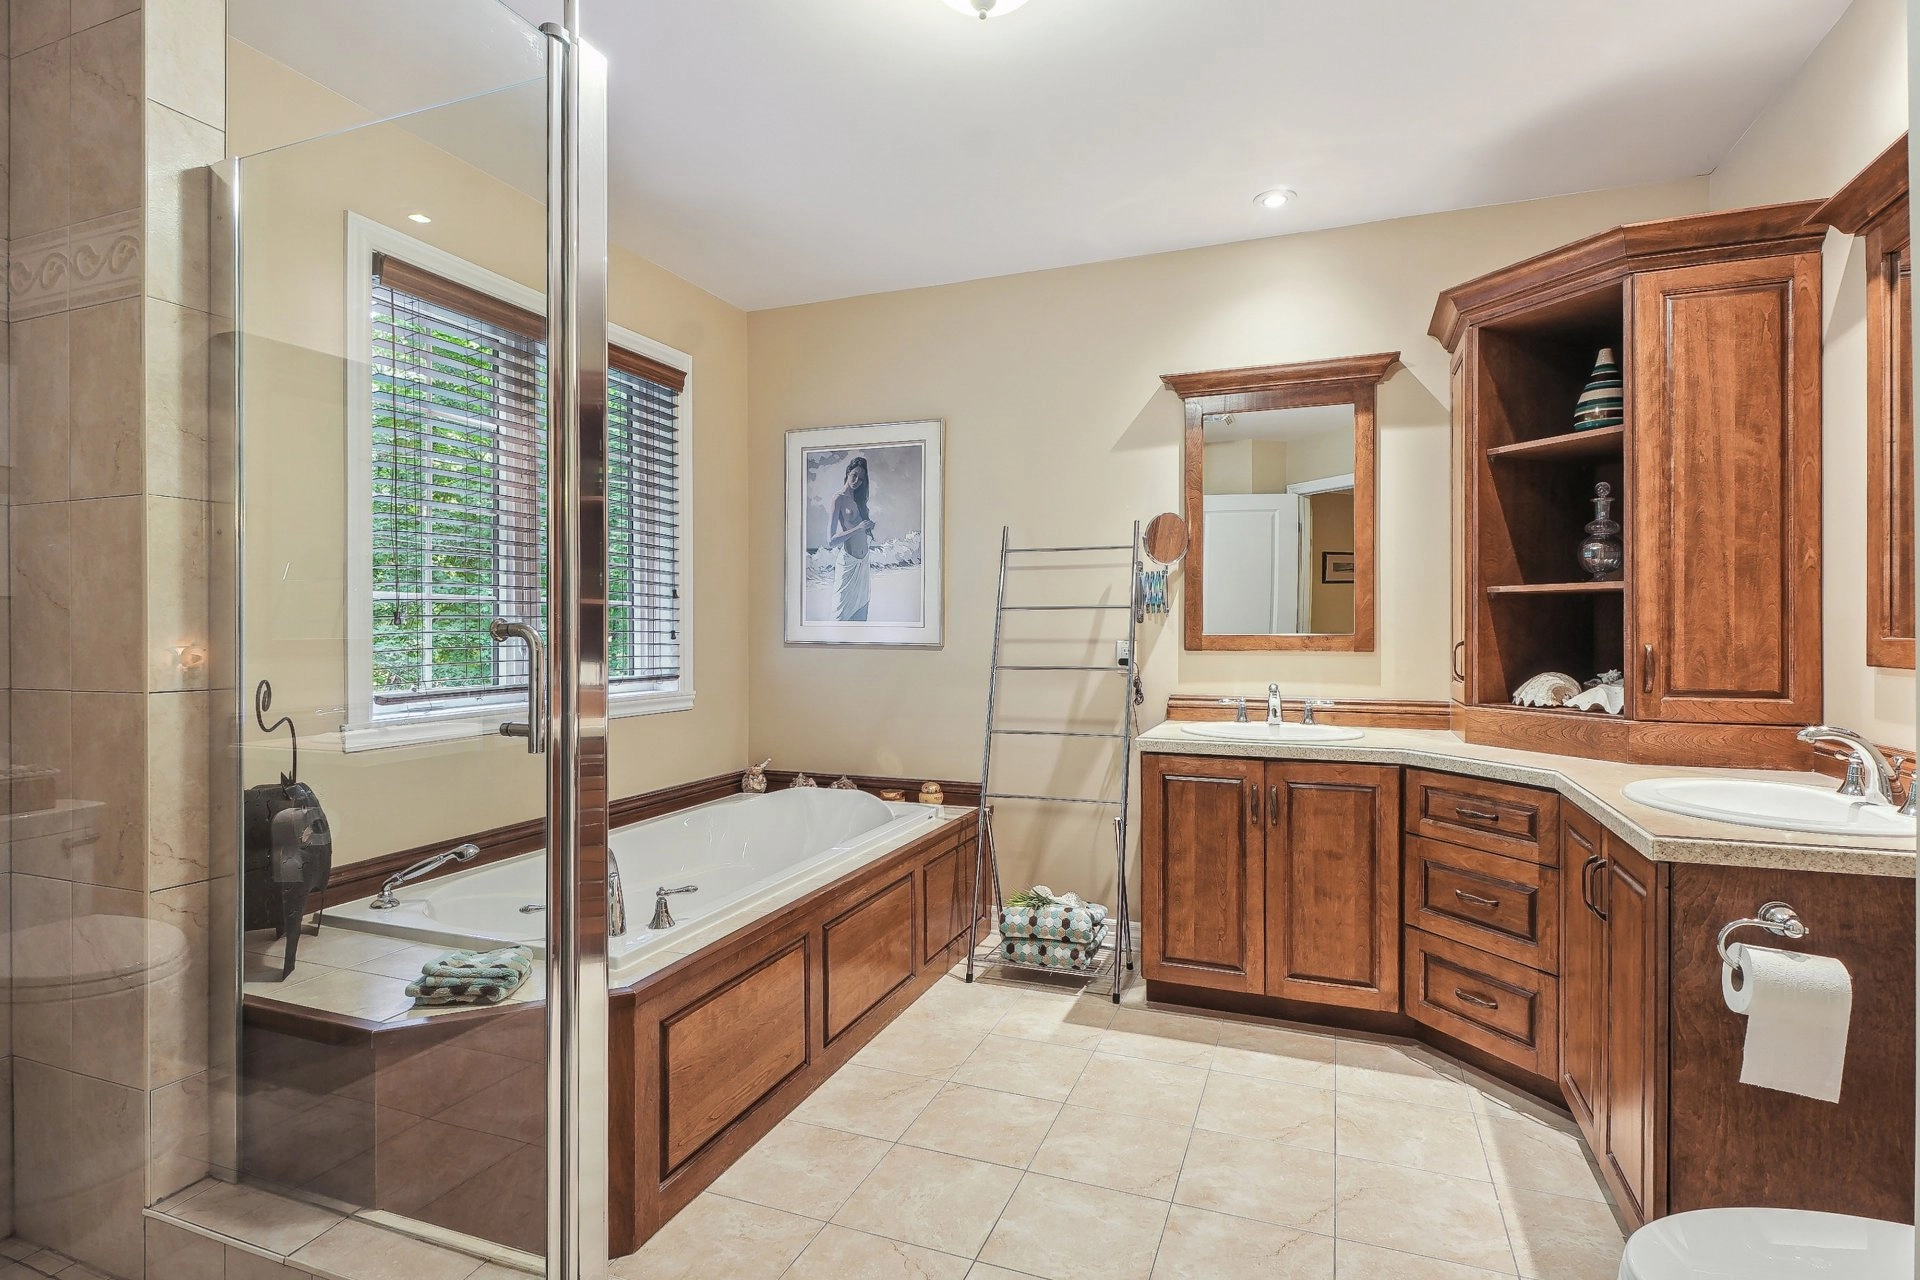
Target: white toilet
[(1768, 1244)]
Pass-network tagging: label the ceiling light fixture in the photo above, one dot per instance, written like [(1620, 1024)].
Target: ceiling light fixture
[(418, 217), (984, 9), (1276, 198)]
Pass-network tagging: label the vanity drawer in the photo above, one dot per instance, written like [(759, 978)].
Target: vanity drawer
[(1508, 906), (1522, 822), (1493, 1004)]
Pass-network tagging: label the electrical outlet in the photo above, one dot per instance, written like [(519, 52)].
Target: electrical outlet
[(1123, 653)]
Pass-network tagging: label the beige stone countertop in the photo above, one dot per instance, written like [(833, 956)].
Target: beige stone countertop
[(1594, 785)]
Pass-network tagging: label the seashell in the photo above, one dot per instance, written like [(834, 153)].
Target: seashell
[(1610, 698), (930, 793), (802, 780), (1548, 689), (1607, 677), (843, 783)]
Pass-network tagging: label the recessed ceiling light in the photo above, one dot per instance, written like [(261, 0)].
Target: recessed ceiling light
[(418, 217), (1277, 197), (984, 9)]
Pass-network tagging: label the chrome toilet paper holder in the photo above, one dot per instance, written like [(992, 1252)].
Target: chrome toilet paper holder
[(1776, 918)]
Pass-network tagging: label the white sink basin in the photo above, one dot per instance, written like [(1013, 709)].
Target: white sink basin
[(1296, 734), (1782, 806)]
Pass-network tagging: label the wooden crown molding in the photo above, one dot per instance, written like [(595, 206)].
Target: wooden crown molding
[(1613, 254), (1329, 376), (1873, 191)]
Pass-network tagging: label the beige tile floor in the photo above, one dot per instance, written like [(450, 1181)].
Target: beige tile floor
[(1005, 1131)]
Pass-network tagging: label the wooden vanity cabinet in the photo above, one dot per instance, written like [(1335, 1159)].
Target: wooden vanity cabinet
[(1272, 878)]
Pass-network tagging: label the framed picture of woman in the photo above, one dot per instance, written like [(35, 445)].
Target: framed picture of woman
[(863, 547)]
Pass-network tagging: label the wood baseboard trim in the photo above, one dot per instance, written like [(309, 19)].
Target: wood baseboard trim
[(363, 879), (1371, 713), (952, 792)]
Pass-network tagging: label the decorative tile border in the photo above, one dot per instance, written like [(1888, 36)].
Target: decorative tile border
[(77, 266), (37, 273)]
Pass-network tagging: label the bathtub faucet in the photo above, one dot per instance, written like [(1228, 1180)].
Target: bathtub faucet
[(663, 918), (616, 901), (387, 902)]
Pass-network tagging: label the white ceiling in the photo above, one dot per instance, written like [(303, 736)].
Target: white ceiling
[(787, 151)]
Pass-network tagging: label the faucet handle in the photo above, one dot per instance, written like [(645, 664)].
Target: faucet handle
[(1239, 705), (1309, 706)]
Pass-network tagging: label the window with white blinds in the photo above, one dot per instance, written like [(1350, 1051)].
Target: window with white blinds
[(455, 500)]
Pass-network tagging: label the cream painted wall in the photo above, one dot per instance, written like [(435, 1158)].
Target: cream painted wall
[(1844, 107), (294, 203), (1057, 424)]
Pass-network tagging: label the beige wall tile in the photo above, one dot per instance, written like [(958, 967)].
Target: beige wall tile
[(106, 258), (108, 620), (38, 410), (176, 362), (39, 136), (108, 1133), (110, 1017), (104, 390), (242, 1265), (38, 274), (180, 1119), (177, 826), (42, 595), (91, 13), (187, 57), (105, 771), (106, 170), (41, 734), (6, 1147), (177, 531), (179, 149), (174, 1254), (32, 23), (178, 1002), (43, 1173)]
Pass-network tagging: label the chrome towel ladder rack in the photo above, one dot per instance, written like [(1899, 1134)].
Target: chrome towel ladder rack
[(1121, 934)]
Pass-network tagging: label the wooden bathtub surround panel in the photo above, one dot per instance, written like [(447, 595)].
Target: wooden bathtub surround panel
[(1507, 1009), (1203, 871), (1333, 883), (1874, 206), (1371, 713), (727, 1050), (949, 896), (1508, 906), (1348, 380), (1728, 620), (1860, 1150), (868, 954), (1496, 817)]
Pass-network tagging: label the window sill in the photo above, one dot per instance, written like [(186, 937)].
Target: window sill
[(455, 726)]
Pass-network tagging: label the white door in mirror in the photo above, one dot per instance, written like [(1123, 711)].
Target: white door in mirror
[(1781, 806), (1304, 734)]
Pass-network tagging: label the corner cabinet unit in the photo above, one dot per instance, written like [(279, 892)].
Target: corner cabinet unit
[(1714, 618), (1272, 878)]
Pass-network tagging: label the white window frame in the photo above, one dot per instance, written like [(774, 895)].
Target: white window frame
[(365, 730)]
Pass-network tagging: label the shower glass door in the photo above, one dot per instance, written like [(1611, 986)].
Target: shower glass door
[(418, 509)]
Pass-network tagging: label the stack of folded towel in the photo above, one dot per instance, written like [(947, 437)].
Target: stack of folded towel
[(472, 977), (1060, 933)]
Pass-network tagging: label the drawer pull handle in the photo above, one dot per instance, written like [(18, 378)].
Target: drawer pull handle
[(1471, 998), (1475, 899), (1475, 815)]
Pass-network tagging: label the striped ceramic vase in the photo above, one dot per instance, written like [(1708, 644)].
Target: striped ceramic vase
[(1602, 402)]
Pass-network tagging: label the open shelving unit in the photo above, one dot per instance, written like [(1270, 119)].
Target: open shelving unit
[(1533, 478)]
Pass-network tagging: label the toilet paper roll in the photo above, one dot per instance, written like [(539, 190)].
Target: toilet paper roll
[(1797, 1008)]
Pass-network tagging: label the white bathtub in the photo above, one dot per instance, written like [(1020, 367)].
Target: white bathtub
[(749, 855)]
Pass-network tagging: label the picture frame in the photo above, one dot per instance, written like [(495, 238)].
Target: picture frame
[(1336, 567), (864, 554)]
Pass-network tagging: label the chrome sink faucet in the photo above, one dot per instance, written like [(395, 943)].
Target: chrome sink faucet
[(1276, 713), (386, 901), (1869, 774)]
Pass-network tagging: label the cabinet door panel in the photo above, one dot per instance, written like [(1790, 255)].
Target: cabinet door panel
[(1333, 884), (1634, 1085), (1583, 971), (1724, 560), (1202, 856)]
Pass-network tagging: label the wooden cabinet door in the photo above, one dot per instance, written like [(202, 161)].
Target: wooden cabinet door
[(1458, 481), (1632, 1131), (1333, 884), (1583, 971), (1202, 856), (1724, 462)]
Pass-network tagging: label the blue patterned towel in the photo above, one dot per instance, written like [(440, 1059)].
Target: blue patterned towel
[(1070, 957), (472, 977), (1060, 922)]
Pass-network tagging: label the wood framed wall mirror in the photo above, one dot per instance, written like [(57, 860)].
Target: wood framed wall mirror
[(1874, 207), (1280, 504)]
